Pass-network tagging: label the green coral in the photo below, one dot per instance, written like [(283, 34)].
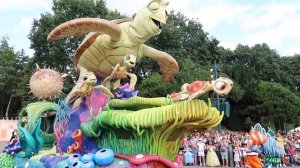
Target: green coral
[(6, 160), (43, 153), (137, 103), (34, 111), (150, 130)]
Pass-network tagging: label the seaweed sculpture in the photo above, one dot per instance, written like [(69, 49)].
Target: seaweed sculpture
[(149, 125), (30, 141), (61, 123)]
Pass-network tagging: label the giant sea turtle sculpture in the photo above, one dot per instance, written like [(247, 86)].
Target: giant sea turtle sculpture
[(108, 42)]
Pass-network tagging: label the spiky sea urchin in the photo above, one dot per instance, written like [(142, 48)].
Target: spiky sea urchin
[(46, 83)]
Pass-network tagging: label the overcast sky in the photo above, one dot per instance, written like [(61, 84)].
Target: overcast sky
[(275, 22)]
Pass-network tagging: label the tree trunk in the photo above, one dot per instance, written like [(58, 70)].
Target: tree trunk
[(277, 124), (282, 126), (7, 108)]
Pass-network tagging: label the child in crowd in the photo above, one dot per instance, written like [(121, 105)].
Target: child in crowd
[(194, 141), (237, 156), (243, 153), (281, 143), (188, 156), (292, 155), (201, 155)]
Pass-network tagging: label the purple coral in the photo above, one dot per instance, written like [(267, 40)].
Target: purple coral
[(61, 122), (12, 147)]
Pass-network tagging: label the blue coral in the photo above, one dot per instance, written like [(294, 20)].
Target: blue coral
[(89, 144), (125, 92)]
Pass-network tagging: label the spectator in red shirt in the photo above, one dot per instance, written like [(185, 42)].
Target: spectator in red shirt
[(292, 155)]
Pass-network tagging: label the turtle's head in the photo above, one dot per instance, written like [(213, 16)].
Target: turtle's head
[(90, 78), (149, 21), (129, 61), (222, 86)]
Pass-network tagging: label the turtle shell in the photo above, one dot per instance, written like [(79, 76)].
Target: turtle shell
[(96, 53)]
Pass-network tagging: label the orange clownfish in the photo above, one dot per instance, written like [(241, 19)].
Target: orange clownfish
[(256, 138)]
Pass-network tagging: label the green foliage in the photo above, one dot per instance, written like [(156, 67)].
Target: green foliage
[(237, 93), (8, 59), (153, 86), (290, 74), (275, 101), (248, 123), (13, 78)]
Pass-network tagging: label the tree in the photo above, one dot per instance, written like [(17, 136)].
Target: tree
[(7, 68), (290, 74), (275, 102), (11, 77)]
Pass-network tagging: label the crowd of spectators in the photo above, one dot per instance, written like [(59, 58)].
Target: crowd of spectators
[(228, 149)]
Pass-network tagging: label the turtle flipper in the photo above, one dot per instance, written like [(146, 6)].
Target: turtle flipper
[(77, 27), (104, 90), (117, 84), (77, 103), (168, 65)]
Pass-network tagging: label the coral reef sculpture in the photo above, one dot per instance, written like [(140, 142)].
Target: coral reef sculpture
[(149, 130), (6, 160), (125, 92), (12, 147), (31, 142), (60, 123)]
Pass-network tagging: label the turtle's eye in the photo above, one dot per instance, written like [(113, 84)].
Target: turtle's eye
[(220, 85), (85, 78), (154, 6), (127, 57)]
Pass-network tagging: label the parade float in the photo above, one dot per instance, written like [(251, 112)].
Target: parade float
[(97, 125)]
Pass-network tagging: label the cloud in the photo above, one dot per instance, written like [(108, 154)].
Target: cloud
[(215, 12), (287, 28), (269, 15), (26, 22), (24, 4), (128, 7), (228, 45), (293, 50)]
